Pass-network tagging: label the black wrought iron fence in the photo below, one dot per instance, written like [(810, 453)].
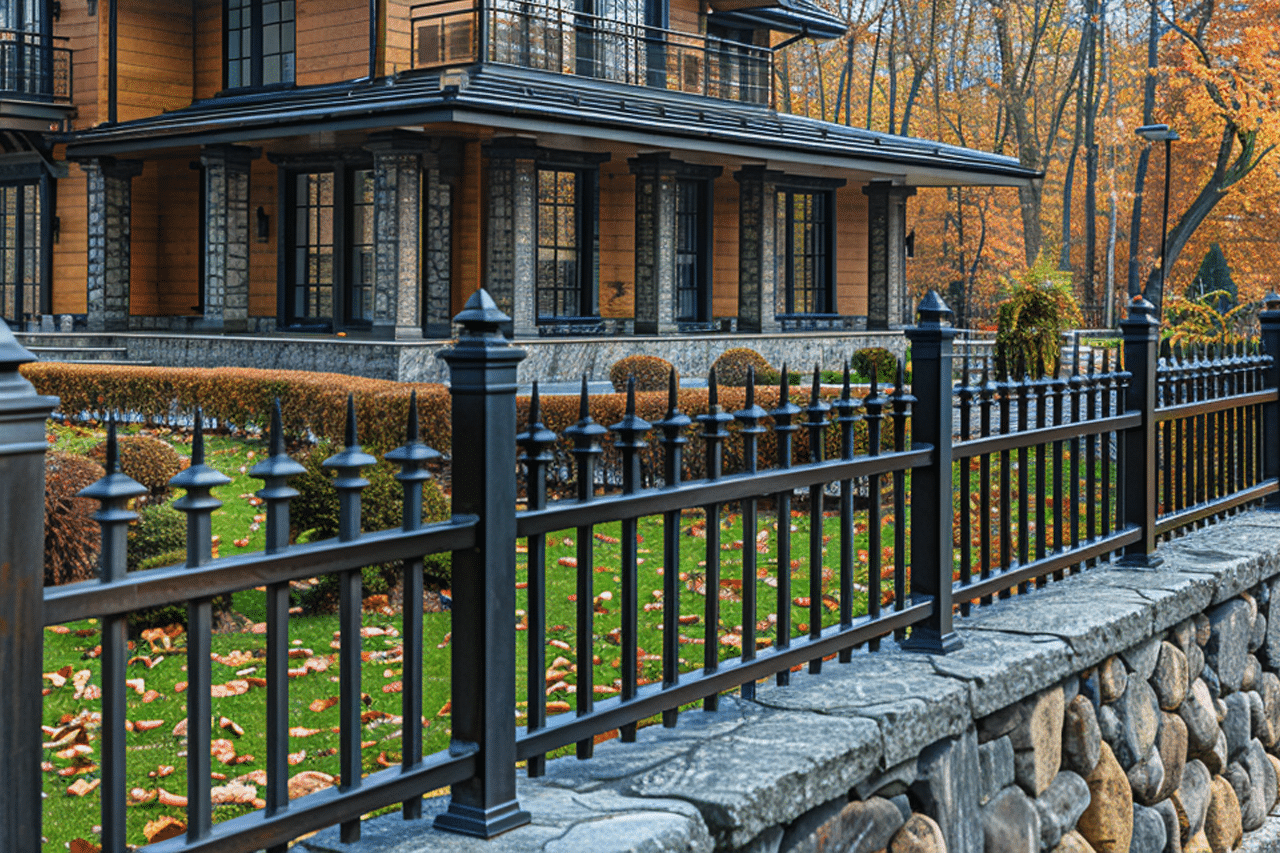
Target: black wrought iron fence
[(1067, 469), (35, 66)]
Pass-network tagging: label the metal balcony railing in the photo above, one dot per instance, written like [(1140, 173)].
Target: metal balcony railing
[(561, 40), (34, 67)]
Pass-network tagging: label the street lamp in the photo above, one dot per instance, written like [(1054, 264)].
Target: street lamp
[(1162, 133)]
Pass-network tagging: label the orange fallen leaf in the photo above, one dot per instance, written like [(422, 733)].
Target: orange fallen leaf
[(297, 757), (308, 782), (229, 725), (323, 704), (167, 799), (299, 731), (163, 828), (80, 787), (138, 796), (147, 725), (79, 845)]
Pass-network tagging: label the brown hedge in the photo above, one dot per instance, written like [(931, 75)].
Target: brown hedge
[(650, 373)]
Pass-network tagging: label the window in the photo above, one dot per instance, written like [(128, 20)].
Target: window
[(693, 250), (22, 252), (330, 256), (259, 42), (804, 255), (565, 223)]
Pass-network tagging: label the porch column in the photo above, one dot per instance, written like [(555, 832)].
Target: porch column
[(757, 269), (509, 251), (110, 186), (887, 255), (397, 226), (655, 243), (226, 237), (443, 168)]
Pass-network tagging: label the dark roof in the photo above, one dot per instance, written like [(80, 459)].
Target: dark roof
[(785, 16), (518, 99)]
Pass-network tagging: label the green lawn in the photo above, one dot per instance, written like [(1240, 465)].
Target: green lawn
[(156, 768)]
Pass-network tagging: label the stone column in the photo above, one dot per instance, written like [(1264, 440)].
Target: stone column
[(509, 258), (655, 243), (226, 237), (437, 254), (887, 255), (397, 227), (758, 295), (110, 185)]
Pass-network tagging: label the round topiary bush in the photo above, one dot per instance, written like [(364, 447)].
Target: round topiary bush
[(731, 367), (314, 514), (72, 537), (651, 372), (150, 461), (875, 361), (160, 529)]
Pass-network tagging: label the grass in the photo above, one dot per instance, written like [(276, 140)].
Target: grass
[(155, 753)]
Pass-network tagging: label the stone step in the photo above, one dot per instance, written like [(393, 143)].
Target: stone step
[(70, 340)]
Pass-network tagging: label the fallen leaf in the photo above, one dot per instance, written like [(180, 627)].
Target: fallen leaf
[(308, 782), (79, 845), (138, 796), (323, 704), (299, 731), (297, 757), (229, 725), (163, 828), (233, 793), (147, 725), (80, 787)]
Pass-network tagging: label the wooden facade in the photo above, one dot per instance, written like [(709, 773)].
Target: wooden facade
[(210, 180)]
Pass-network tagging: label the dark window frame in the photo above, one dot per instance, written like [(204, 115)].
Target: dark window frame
[(823, 191), (344, 285), (702, 249), (256, 49), (33, 177), (587, 198)]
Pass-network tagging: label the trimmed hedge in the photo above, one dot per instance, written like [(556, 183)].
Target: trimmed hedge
[(72, 538), (732, 367), (151, 462), (650, 371)]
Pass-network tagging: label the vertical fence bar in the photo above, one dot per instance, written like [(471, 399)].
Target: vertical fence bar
[(1024, 497), (931, 509), (1005, 388), (482, 367), (1268, 445), (1076, 384), (750, 431), (630, 431), (22, 447), (874, 405), (1110, 383), (1165, 455), (714, 434), (199, 503), (902, 402), (585, 435), (1042, 527), (114, 492), (783, 430), (275, 472), (1059, 418), (987, 392), (846, 416), (1141, 331), (965, 394), (673, 426), (537, 442), (816, 421), (412, 456)]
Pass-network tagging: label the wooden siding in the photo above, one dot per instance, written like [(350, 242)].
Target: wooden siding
[(397, 37), (333, 41), (178, 256), (144, 241), (851, 250), (724, 269), (71, 250), (469, 225), (81, 31), (207, 57), (685, 16), (264, 179), (617, 239), (155, 69)]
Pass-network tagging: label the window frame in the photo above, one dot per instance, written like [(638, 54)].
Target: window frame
[(344, 252), (35, 178), (587, 200), (823, 189), (703, 251), (256, 55)]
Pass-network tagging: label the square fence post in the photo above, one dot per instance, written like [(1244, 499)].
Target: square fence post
[(932, 497), (1141, 334), (482, 368), (1269, 318), (23, 413)]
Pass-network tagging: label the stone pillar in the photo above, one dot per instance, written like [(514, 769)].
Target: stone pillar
[(758, 296), (509, 259), (887, 255), (226, 237), (110, 185), (437, 254), (655, 243), (397, 228)]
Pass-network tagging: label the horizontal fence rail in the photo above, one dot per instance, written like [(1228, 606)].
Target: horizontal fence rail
[(864, 518), (35, 66)]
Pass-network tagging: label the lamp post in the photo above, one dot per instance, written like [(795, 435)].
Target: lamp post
[(1162, 133)]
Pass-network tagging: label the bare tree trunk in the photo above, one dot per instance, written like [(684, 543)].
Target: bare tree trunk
[(1092, 10), (1140, 176)]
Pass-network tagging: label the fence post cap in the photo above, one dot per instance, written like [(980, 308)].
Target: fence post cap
[(1141, 312), (1271, 302), (933, 311), (481, 313), (13, 354)]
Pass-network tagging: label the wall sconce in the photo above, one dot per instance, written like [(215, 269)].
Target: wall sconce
[(264, 226), (55, 227), (910, 243)]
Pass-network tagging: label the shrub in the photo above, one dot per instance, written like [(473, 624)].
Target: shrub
[(1033, 316), (72, 537), (650, 371), (150, 461), (315, 512), (876, 361), (731, 367), (160, 529)]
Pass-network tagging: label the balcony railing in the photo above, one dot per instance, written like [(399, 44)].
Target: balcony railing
[(563, 41), (34, 67)]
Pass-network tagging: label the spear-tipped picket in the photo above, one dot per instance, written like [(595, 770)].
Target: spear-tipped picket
[(713, 434), (673, 427), (902, 402), (784, 430), (749, 419), (275, 471), (413, 457), (847, 416), (816, 421), (630, 432)]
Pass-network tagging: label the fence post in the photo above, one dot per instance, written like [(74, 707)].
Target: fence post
[(931, 492), (482, 368), (1269, 318), (22, 446), (1141, 334)]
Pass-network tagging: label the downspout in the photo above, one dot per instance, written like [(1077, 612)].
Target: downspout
[(373, 39), (112, 59)]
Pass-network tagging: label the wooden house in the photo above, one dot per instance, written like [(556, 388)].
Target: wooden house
[(359, 167)]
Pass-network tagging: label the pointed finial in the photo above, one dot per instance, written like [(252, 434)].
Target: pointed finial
[(584, 402), (817, 381), (673, 391), (535, 405), (784, 394), (113, 446), (844, 389), (751, 385), (277, 429), (413, 415), (197, 442), (1271, 302), (351, 420), (713, 391), (631, 395), (902, 375), (875, 379)]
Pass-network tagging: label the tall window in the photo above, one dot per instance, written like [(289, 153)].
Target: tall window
[(692, 251), (259, 42), (332, 249), (565, 285), (805, 257), (21, 252)]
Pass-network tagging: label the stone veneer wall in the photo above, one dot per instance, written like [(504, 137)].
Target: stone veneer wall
[(1116, 710)]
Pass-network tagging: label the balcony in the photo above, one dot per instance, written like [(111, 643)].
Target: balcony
[(35, 80), (563, 41)]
